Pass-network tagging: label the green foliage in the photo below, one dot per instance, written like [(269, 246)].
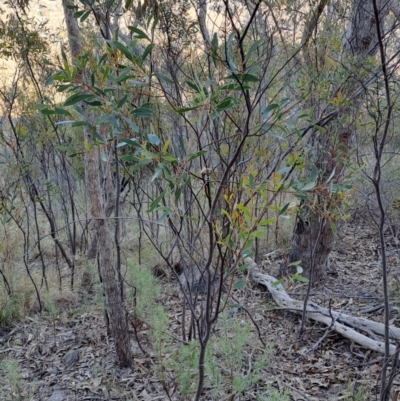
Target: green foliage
[(50, 307), (274, 395), (10, 372), (359, 393), (10, 313), (233, 345)]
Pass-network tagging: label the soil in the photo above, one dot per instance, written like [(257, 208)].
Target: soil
[(70, 357)]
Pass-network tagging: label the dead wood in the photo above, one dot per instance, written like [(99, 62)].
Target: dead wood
[(343, 324)]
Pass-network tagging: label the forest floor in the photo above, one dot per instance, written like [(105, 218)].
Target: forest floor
[(69, 357)]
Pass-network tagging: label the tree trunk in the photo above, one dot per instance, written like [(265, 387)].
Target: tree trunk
[(108, 269), (313, 238)]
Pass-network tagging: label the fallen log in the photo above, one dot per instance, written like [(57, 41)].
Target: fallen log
[(340, 322)]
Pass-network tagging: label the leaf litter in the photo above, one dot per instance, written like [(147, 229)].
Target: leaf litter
[(68, 358)]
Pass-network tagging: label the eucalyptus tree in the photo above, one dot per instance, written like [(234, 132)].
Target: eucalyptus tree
[(77, 76), (339, 74)]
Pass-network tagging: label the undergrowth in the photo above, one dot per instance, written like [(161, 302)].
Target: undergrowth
[(233, 362)]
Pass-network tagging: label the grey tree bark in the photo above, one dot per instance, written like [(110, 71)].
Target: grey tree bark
[(98, 214)]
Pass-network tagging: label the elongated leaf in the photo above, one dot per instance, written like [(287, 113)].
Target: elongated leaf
[(76, 98), (78, 13), (234, 87), (85, 16), (123, 75), (66, 148), (153, 139), (196, 155), (80, 124), (147, 51), (131, 124), (333, 227), (214, 43), (137, 83), (253, 48), (193, 86), (122, 48), (122, 101), (226, 104), (65, 122), (266, 222), (186, 109), (56, 111), (155, 202), (156, 174), (141, 164), (283, 210), (139, 34), (133, 142), (239, 284), (142, 112), (163, 77), (243, 77), (95, 103), (309, 186)]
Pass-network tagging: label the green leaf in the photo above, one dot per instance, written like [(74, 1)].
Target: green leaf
[(156, 174), (142, 111), (178, 194), (302, 279), (297, 263), (123, 49), (253, 48), (214, 43), (193, 86), (226, 104), (78, 13), (80, 124), (131, 124), (85, 16), (137, 83), (265, 113), (283, 210), (196, 155), (95, 103), (163, 77), (155, 202), (141, 164), (56, 111), (243, 77), (153, 139), (266, 222), (66, 148), (239, 284), (243, 209), (147, 51), (139, 34), (186, 109), (124, 75), (234, 87), (128, 3), (122, 101), (314, 173), (309, 186), (76, 98), (65, 122), (167, 212), (333, 227), (62, 88)]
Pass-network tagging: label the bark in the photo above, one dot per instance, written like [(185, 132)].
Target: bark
[(102, 232), (313, 238)]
